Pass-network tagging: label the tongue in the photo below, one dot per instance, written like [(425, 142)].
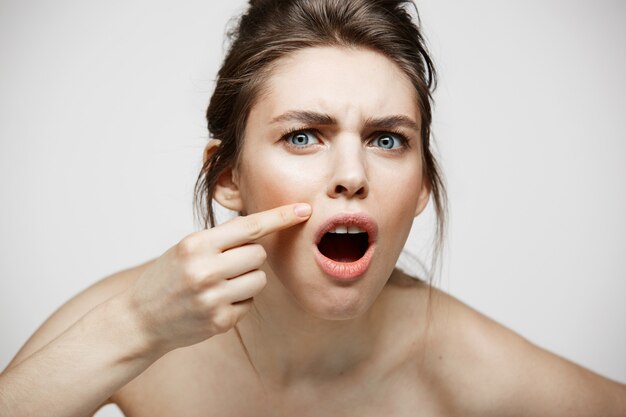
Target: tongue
[(343, 247)]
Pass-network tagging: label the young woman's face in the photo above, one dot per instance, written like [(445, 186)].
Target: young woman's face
[(344, 165)]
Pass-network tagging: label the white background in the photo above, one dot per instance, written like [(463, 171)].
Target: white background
[(102, 128)]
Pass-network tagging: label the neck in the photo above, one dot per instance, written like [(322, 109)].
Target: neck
[(288, 344)]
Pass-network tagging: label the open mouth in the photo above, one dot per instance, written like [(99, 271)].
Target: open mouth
[(343, 247)]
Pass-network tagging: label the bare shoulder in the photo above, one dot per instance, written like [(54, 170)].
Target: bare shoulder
[(76, 307), (483, 368)]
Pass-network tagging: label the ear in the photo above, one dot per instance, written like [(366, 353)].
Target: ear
[(423, 198), (226, 190), (210, 149)]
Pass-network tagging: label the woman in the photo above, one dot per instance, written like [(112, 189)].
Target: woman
[(321, 124)]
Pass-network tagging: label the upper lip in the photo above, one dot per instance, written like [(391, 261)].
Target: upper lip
[(362, 220)]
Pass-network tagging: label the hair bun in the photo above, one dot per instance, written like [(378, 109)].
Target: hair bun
[(258, 3)]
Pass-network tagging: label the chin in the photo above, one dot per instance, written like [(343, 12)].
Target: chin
[(332, 302)]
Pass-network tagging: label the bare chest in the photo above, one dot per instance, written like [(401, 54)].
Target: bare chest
[(210, 393), (184, 383), (212, 379)]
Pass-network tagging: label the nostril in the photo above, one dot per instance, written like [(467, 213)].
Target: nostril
[(339, 189)]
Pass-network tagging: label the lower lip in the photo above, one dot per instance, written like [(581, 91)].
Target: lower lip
[(345, 271)]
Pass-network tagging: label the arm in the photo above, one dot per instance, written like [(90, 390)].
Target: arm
[(550, 385), (79, 357), (200, 287)]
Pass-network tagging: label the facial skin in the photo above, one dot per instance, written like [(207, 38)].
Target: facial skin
[(338, 168)]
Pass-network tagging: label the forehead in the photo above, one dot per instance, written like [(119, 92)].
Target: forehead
[(344, 82)]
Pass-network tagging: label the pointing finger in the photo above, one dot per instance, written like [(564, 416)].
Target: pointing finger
[(241, 230)]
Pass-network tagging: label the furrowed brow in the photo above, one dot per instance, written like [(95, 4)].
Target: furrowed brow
[(306, 117), (314, 118), (391, 122)]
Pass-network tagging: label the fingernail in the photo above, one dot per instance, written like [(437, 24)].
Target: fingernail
[(302, 210)]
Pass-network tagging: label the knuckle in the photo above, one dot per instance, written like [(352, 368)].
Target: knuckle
[(253, 227), (224, 320), (285, 216), (192, 278), (187, 246), (211, 302), (211, 276), (262, 277), (261, 253)]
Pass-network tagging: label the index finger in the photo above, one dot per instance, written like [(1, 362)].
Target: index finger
[(241, 230)]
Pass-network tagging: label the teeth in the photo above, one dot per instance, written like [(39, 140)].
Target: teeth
[(355, 229), (347, 229), (341, 229)]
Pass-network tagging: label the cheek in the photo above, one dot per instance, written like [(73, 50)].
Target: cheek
[(398, 198), (398, 187), (278, 181)]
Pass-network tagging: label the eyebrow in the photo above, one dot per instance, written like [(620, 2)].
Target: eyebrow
[(315, 118)]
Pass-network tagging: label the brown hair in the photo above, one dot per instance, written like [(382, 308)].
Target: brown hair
[(271, 29)]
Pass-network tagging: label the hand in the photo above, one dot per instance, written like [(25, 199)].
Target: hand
[(205, 283)]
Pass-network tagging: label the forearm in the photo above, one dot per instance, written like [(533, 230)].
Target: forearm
[(80, 369)]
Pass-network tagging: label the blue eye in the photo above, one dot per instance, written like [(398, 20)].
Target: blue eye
[(386, 141), (299, 139)]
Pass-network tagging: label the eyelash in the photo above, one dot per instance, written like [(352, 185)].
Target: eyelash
[(284, 136)]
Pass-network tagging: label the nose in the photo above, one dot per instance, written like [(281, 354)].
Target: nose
[(349, 176)]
